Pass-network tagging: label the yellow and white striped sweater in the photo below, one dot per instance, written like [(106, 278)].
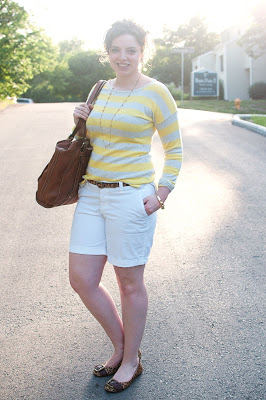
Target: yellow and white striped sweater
[(123, 154)]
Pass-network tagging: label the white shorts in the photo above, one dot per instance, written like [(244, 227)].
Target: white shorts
[(113, 222)]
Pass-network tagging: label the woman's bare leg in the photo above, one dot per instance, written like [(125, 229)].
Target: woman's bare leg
[(134, 302), (85, 272)]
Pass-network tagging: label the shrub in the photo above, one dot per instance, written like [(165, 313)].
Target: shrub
[(257, 91), (176, 93), (221, 90)]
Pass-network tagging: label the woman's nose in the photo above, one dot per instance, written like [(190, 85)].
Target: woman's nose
[(123, 55)]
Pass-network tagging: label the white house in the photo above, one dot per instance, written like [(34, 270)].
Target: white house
[(235, 68)]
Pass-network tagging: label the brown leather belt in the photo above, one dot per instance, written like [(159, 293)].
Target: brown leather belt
[(102, 185)]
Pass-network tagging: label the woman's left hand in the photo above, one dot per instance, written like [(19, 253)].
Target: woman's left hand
[(152, 204)]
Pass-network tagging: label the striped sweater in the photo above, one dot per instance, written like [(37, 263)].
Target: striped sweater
[(123, 152)]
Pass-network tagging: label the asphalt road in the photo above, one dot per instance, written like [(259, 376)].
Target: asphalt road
[(205, 331)]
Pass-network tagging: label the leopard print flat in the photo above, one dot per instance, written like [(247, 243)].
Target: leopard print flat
[(102, 371), (115, 387)]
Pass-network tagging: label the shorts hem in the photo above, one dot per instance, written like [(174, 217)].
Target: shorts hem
[(93, 251), (127, 263)]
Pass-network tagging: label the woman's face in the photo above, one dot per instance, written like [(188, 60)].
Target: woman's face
[(125, 55)]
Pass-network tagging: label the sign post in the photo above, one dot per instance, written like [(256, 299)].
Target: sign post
[(182, 50)]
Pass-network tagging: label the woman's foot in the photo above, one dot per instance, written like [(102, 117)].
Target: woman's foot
[(124, 377), (126, 371), (110, 366)]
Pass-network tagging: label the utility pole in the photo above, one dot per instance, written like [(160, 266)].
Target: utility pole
[(182, 50)]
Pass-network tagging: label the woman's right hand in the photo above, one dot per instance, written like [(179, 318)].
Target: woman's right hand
[(82, 111)]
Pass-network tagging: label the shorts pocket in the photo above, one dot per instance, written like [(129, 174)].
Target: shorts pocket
[(145, 191), (141, 204)]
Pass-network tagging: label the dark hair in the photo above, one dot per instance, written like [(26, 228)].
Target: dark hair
[(125, 27)]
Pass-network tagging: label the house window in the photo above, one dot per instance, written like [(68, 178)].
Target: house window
[(222, 63)]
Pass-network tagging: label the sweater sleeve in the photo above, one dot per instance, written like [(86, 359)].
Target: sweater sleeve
[(169, 132)]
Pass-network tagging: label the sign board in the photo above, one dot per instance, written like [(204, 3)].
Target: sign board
[(182, 50), (204, 83)]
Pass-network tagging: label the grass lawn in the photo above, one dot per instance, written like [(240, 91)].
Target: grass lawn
[(247, 106), (258, 120)]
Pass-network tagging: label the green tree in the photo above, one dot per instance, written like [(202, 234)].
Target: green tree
[(70, 79), (51, 86), (193, 34), (166, 66), (68, 47), (24, 49), (254, 40), (86, 71)]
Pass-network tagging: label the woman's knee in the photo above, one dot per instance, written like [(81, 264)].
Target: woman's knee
[(82, 283), (131, 280), (76, 281), (84, 272), (131, 287)]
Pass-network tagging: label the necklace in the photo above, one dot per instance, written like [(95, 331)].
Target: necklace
[(107, 101)]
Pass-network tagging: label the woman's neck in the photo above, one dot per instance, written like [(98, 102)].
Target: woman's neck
[(127, 82)]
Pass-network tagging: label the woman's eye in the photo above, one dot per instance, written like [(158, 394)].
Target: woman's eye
[(132, 51), (114, 50)]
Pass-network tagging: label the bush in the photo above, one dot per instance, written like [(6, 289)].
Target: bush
[(221, 90), (176, 93), (257, 91)]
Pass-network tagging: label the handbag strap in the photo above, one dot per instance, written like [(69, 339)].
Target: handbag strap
[(90, 100)]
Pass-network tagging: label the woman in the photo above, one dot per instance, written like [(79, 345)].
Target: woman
[(115, 216)]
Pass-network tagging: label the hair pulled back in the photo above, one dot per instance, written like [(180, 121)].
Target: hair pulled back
[(125, 27)]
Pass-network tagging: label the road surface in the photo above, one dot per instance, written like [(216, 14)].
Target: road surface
[(205, 331)]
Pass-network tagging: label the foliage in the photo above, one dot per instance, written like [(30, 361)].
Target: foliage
[(193, 34), (86, 71), (30, 65), (176, 93), (257, 90), (70, 79), (221, 89), (51, 86), (5, 103), (68, 47), (166, 66), (24, 50), (254, 39)]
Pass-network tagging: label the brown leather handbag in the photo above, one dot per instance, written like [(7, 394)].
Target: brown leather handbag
[(59, 182)]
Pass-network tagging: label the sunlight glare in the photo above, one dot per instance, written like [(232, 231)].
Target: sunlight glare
[(89, 21)]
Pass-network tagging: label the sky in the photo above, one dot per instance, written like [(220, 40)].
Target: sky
[(89, 20)]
